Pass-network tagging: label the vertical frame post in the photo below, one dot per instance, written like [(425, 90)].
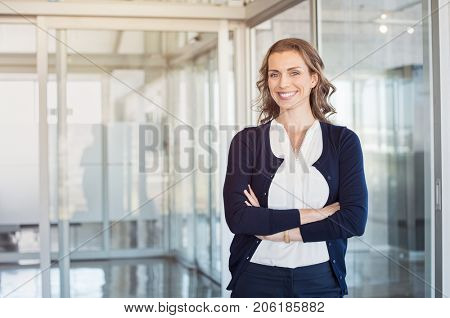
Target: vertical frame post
[(62, 166), (44, 218), (225, 119)]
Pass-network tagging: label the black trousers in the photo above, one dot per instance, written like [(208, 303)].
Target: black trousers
[(261, 281)]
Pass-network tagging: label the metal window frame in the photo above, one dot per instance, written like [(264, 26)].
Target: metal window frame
[(440, 38), (44, 182)]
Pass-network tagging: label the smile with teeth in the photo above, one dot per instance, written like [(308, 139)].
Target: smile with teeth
[(286, 95)]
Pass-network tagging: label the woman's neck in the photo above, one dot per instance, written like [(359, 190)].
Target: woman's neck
[(296, 120)]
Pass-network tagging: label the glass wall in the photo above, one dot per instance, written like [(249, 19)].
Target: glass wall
[(127, 177), (19, 196), (106, 108), (376, 61), (195, 230), (134, 169)]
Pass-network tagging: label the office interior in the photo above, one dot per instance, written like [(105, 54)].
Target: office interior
[(81, 82)]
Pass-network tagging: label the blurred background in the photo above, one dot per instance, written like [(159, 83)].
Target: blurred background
[(80, 79)]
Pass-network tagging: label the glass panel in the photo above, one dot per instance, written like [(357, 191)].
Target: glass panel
[(118, 132), (202, 175), (18, 162), (382, 95), (183, 194), (19, 195), (194, 233), (84, 160), (117, 87)]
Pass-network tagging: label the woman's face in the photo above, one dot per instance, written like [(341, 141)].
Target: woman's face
[(289, 80)]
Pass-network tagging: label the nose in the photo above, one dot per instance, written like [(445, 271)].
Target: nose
[(284, 81)]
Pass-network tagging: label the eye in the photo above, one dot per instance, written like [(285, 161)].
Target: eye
[(272, 75), (295, 73)]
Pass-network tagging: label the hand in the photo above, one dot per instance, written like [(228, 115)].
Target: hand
[(315, 215), (251, 197), (330, 209)]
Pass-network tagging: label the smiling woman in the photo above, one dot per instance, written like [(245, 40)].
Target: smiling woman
[(295, 189), (292, 74)]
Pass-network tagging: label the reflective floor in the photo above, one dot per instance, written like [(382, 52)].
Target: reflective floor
[(370, 274), (116, 278), (385, 274)]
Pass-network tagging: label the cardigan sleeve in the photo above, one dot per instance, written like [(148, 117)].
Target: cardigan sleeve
[(243, 219), (351, 219)]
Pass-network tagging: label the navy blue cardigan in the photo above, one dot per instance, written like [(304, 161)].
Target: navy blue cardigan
[(251, 161)]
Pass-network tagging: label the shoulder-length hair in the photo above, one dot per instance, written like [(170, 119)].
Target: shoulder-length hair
[(320, 94)]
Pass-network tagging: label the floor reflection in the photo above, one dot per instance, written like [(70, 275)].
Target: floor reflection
[(149, 278), (370, 274), (385, 274)]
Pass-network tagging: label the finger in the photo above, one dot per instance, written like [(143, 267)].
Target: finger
[(251, 199), (252, 193), (333, 210), (247, 194), (248, 203)]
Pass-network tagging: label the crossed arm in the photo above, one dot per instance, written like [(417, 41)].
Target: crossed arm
[(339, 220), (307, 216)]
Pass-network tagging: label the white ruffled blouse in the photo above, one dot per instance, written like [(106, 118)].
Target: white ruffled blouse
[(297, 184)]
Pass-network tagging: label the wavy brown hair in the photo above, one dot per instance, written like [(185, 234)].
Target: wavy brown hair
[(320, 93)]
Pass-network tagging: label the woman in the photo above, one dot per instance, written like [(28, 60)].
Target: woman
[(295, 188)]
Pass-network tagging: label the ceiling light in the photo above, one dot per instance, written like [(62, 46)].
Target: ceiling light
[(410, 30), (383, 16), (383, 28)]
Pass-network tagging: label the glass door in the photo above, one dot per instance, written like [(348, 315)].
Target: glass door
[(376, 55)]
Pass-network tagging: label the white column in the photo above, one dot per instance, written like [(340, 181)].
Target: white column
[(62, 166), (225, 118), (44, 220)]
